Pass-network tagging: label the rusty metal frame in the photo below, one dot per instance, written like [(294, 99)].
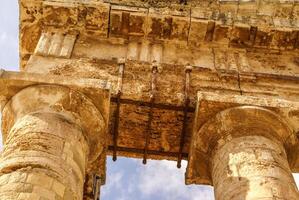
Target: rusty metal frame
[(185, 120), (150, 152), (121, 64), (140, 152), (153, 104)]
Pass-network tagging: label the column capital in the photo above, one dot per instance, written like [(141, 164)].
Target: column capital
[(232, 117), (242, 121), (84, 102), (72, 105)]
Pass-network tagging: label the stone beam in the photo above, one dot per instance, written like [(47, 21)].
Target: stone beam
[(233, 24)]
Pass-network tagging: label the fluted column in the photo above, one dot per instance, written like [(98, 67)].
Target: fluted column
[(46, 144)]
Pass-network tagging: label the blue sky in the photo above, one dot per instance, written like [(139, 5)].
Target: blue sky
[(127, 179)]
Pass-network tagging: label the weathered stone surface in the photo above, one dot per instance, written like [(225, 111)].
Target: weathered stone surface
[(220, 119), (233, 24), (252, 167), (238, 53), (56, 45), (75, 109), (47, 137)]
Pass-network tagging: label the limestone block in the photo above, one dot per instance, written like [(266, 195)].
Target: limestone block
[(241, 35), (128, 22), (267, 7), (283, 39), (222, 34), (246, 8), (164, 24), (263, 37), (145, 50), (60, 14), (206, 10), (228, 12), (97, 18), (197, 32), (133, 50), (157, 53), (225, 62), (30, 15)]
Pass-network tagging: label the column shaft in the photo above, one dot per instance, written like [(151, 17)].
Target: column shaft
[(44, 157), (252, 168)]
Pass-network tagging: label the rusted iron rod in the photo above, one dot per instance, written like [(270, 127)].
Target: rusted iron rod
[(185, 120), (155, 105), (121, 64), (140, 152), (150, 114)]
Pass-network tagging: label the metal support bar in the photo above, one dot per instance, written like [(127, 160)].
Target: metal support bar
[(150, 114), (185, 120), (155, 105), (121, 64), (96, 187), (140, 152)]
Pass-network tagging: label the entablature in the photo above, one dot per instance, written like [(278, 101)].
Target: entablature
[(230, 24)]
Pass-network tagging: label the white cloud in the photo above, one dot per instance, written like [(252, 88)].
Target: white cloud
[(9, 41), (3, 36), (9, 54), (114, 183), (163, 178), (128, 179)]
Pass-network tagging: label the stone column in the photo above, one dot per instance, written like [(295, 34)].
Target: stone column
[(47, 144), (252, 168), (244, 152)]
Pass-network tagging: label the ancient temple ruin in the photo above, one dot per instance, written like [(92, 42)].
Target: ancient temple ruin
[(213, 82)]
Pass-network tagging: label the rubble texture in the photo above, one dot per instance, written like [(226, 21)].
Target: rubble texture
[(212, 82)]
